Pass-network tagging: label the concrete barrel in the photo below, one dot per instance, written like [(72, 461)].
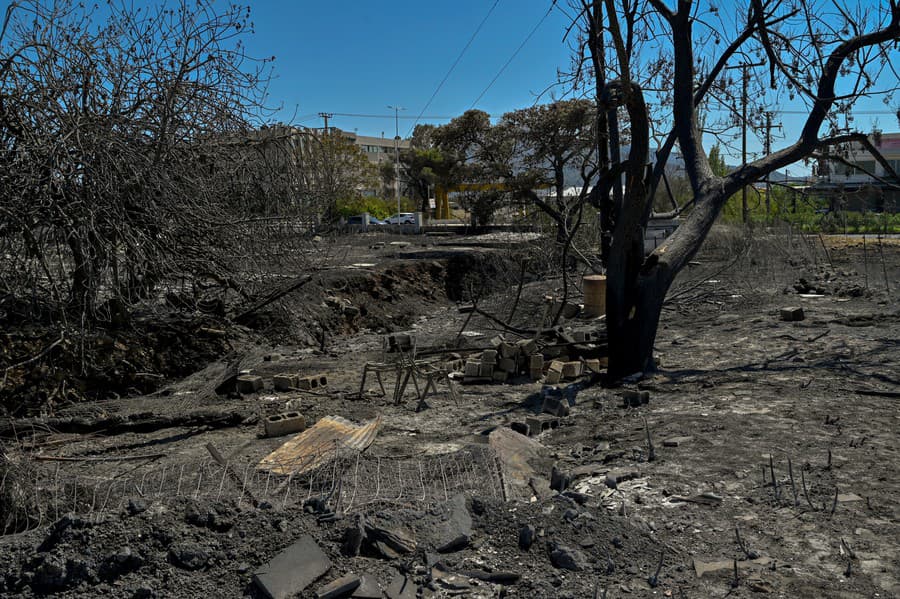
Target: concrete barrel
[(594, 287)]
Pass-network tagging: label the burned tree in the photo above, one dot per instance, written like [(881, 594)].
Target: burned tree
[(110, 124), (662, 65)]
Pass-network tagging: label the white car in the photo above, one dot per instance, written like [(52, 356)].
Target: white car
[(403, 218)]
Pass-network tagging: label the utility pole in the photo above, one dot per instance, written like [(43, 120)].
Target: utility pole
[(745, 212), (326, 116), (397, 110), (768, 150)]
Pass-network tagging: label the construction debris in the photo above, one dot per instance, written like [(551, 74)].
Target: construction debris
[(319, 444)]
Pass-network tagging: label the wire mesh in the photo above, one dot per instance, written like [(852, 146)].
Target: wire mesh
[(350, 482)]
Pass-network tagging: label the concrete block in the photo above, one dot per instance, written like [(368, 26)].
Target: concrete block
[(552, 377), (472, 368), (312, 382), (538, 424), (556, 366), (249, 383), (507, 365), (486, 369), (508, 350), (500, 376), (489, 356), (399, 342), (792, 314), (285, 382), (571, 369), (592, 365), (632, 398), (552, 352), (527, 346), (291, 571), (286, 423), (556, 406), (536, 361), (339, 587)]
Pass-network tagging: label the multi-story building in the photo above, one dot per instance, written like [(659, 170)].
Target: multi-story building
[(376, 149), (852, 186)]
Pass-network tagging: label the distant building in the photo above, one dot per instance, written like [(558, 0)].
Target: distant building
[(847, 187), (376, 149)]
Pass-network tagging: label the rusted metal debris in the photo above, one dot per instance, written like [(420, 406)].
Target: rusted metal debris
[(319, 444)]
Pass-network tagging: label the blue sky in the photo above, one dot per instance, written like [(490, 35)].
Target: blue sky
[(358, 57)]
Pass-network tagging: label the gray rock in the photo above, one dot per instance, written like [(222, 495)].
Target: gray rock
[(188, 556), (401, 587), (568, 558), (368, 588), (559, 480), (292, 570), (526, 537), (456, 531)]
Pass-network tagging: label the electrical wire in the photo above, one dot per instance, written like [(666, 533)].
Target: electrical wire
[(390, 116), (514, 54), (453, 66)]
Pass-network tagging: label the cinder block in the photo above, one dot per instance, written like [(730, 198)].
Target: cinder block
[(556, 366), (500, 376), (472, 368), (571, 369), (632, 398), (285, 382), (552, 377), (538, 424), (507, 365), (794, 313), (278, 425), (508, 350), (552, 352), (249, 383), (399, 342), (556, 406), (527, 346), (592, 365), (489, 356), (536, 361), (485, 370), (312, 382)]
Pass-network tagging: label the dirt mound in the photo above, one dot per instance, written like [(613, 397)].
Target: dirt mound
[(188, 548), (46, 368)]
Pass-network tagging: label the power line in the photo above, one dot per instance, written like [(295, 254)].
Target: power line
[(514, 54), (389, 116), (453, 66)]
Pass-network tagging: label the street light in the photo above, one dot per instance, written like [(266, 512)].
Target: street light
[(397, 110)]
